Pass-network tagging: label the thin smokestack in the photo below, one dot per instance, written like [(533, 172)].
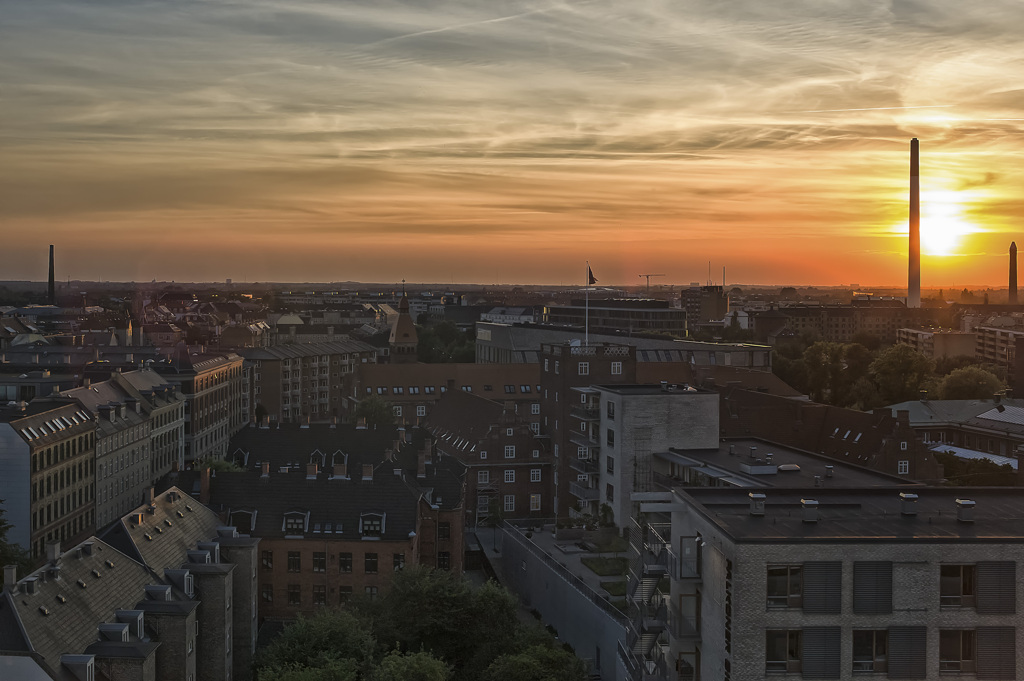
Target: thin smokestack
[(914, 270), (51, 292), (1013, 273)]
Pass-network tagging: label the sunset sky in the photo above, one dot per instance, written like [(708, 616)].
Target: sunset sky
[(506, 141)]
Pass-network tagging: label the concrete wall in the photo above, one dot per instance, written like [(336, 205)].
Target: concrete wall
[(569, 607)]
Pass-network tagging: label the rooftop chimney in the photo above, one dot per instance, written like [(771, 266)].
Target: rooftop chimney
[(53, 552), (908, 503), (340, 472), (809, 509), (10, 577), (51, 290), (965, 510), (1013, 273), (914, 269), (756, 504), (311, 471), (367, 471), (265, 470)]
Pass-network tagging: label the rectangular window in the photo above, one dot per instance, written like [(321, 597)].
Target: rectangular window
[(294, 595), (510, 476), (534, 502), (294, 523), (319, 594), (421, 410), (397, 411), (903, 468), (584, 369), (444, 530), (534, 475), (344, 594), (398, 561), (610, 464), (319, 561), (510, 389), (294, 561), (957, 586), (510, 503), (345, 562), (611, 410), (870, 650), (510, 451), (957, 650), (370, 563), (610, 437), (268, 560), (483, 453), (782, 650), (371, 593), (444, 560), (267, 592), (609, 492), (616, 368), (535, 408), (785, 586), (483, 477)]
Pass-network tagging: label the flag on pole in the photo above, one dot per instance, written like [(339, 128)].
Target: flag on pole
[(591, 279)]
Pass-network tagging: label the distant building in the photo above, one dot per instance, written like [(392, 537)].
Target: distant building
[(704, 303), (620, 315), (840, 323), (938, 343), (403, 340)]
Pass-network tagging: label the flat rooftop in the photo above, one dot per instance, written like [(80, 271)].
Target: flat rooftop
[(863, 515), (654, 389), (748, 462)]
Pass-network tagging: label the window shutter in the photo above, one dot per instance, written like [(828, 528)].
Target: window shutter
[(823, 587), (997, 653), (997, 589), (872, 588), (821, 653), (907, 652)]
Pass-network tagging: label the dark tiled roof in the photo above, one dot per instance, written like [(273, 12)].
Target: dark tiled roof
[(462, 415), (289, 445), (343, 345)]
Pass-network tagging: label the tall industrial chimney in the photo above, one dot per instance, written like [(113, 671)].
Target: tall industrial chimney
[(1013, 273), (51, 293), (914, 273)]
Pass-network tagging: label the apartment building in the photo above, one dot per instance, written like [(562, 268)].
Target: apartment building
[(164, 406), (48, 484), (302, 382), (509, 466), (937, 343), (826, 583), (622, 315)]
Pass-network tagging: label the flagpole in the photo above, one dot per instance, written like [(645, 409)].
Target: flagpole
[(586, 313)]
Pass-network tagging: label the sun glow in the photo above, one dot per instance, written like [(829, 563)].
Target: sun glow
[(943, 226)]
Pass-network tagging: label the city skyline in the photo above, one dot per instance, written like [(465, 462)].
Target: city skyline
[(509, 143)]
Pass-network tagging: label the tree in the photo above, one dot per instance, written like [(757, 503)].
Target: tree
[(824, 362), (332, 639), (10, 553), (376, 410), (539, 663), (411, 667), (899, 372), (969, 383)]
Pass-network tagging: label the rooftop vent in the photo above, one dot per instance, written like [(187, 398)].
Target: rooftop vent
[(809, 510), (829, 470), (28, 585), (753, 452), (756, 504), (965, 510), (817, 481), (908, 503)]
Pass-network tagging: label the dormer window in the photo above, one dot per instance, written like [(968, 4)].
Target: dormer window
[(294, 522), (371, 524)]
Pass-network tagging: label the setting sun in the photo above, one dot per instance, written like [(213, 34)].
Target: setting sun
[(942, 224)]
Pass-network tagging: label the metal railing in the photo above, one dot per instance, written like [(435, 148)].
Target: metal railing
[(584, 493), (586, 413), (583, 465)]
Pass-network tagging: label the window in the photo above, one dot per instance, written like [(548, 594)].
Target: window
[(429, 390), (294, 523), (397, 411), (870, 650), (611, 410), (545, 364), (483, 477), (610, 464), (483, 453), (397, 390), (956, 650), (421, 410), (556, 366), (345, 562), (510, 451), (785, 586), (319, 561), (903, 445), (444, 530), (535, 408), (782, 650), (584, 369), (534, 475), (956, 586), (344, 594), (414, 390), (319, 594), (370, 563), (398, 561), (371, 593), (371, 525), (609, 492), (616, 368), (294, 594), (525, 389), (444, 560), (534, 502), (267, 593), (903, 468), (268, 560), (509, 432), (610, 437), (510, 476), (535, 428), (294, 561), (510, 503), (510, 389)]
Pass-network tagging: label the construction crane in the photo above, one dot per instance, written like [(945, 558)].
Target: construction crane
[(649, 279)]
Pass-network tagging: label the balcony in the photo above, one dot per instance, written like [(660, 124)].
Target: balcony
[(583, 493), (583, 465), (586, 413), (583, 440)]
